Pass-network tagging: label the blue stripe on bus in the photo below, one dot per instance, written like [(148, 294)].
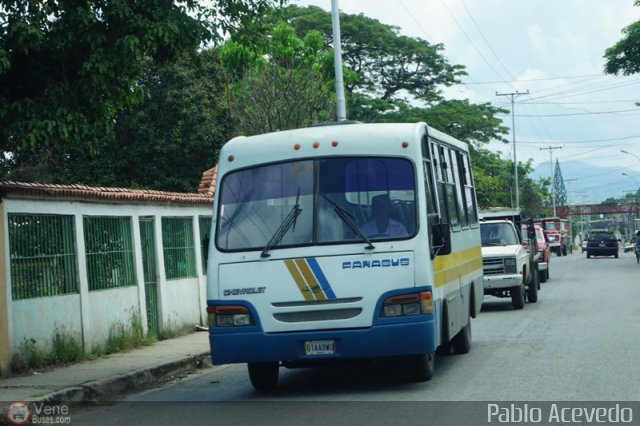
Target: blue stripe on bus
[(317, 271)]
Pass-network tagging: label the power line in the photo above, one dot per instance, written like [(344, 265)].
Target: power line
[(513, 135), (469, 39), (488, 44), (515, 80), (635, 110)]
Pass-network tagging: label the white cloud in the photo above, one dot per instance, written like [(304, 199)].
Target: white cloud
[(552, 48)]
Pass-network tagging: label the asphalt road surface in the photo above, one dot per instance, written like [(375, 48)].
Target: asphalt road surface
[(579, 345)]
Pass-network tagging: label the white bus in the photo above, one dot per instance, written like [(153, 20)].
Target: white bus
[(340, 242)]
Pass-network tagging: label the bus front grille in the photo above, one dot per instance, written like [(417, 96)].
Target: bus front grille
[(324, 315)]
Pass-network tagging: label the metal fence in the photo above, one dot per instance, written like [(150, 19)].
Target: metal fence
[(205, 229), (109, 250), (178, 247), (42, 255), (44, 259)]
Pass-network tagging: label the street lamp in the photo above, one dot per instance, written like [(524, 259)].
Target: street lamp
[(630, 153)]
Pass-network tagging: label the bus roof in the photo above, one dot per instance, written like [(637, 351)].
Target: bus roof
[(343, 139)]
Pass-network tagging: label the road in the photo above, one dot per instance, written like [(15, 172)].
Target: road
[(579, 342)]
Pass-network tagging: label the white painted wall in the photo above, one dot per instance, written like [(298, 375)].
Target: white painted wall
[(109, 307), (38, 318), (184, 307), (89, 315)]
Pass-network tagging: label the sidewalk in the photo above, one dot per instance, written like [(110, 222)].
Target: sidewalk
[(110, 376)]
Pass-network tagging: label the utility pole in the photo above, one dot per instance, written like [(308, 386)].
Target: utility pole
[(553, 180), (341, 113), (573, 237), (513, 137)]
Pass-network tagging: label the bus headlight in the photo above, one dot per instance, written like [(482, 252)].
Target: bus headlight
[(228, 316), (392, 310), (408, 304)]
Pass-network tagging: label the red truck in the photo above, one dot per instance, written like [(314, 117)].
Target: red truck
[(557, 234)]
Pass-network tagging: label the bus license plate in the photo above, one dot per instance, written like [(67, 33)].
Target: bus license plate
[(320, 347)]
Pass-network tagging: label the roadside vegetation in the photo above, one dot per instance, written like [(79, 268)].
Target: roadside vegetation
[(66, 348)]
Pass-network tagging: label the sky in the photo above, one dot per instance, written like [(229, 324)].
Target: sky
[(552, 49)]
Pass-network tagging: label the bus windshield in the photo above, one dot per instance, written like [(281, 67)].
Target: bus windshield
[(336, 200)]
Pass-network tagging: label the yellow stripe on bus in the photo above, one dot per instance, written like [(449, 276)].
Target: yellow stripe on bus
[(310, 279), (450, 267), (299, 280)]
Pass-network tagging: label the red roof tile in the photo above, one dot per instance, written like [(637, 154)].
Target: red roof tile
[(88, 193), (208, 181)]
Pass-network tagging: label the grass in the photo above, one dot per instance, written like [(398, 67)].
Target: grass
[(66, 348)]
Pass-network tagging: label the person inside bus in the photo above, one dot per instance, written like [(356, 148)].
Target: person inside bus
[(382, 224)]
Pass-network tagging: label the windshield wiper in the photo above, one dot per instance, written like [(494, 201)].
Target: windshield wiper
[(288, 222), (348, 219)]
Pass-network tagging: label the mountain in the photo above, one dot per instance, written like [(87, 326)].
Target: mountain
[(587, 183)]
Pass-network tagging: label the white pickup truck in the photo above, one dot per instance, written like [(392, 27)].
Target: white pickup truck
[(509, 269)]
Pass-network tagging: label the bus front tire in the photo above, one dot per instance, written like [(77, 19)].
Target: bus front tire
[(263, 375), (423, 366)]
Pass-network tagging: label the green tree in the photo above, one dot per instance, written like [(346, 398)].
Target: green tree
[(558, 185), (177, 133), (395, 78), (624, 56), (282, 85), (494, 182), (68, 68), (165, 143), (388, 65), (476, 124)]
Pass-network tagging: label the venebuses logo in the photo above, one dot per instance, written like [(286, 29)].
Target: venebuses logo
[(18, 413)]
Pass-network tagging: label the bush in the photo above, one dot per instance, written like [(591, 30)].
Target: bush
[(65, 348)]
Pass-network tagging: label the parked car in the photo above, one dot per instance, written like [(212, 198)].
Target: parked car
[(543, 255), (602, 243)]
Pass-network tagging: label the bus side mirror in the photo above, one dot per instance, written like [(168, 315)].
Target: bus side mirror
[(441, 239)]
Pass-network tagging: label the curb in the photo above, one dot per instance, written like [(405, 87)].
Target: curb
[(101, 390)]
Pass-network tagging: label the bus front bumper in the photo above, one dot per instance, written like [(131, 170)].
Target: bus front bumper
[(377, 341)]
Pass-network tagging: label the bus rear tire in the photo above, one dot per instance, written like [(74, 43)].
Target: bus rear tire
[(263, 375), (462, 341), (422, 366)]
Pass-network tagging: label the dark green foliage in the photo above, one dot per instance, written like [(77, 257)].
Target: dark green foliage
[(168, 142), (68, 67), (165, 143), (624, 56), (71, 72)]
